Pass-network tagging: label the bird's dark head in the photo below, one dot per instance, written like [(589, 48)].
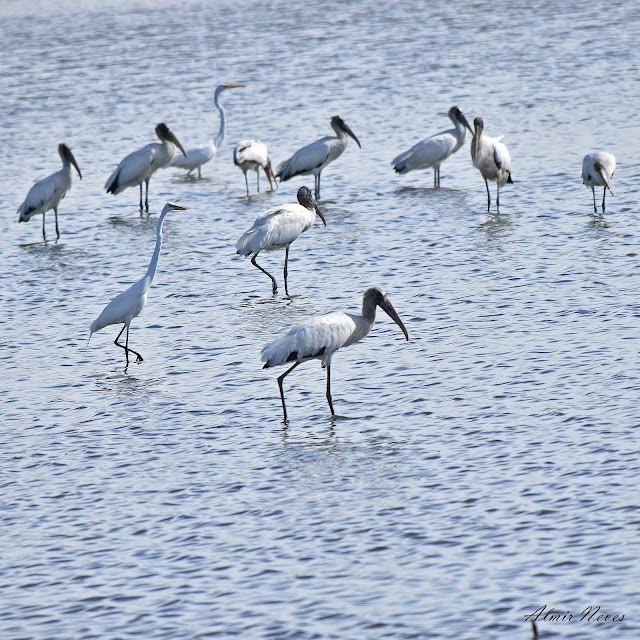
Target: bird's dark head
[(478, 123), (376, 296), (166, 135), (339, 125), (306, 199), (65, 153), (457, 116)]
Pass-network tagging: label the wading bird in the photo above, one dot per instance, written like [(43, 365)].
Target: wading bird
[(320, 337), (492, 159), (431, 152), (597, 170), (313, 158), (197, 156), (139, 166), (253, 155), (47, 193), (277, 229), (127, 305)]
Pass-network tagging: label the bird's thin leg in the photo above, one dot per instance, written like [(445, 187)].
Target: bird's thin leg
[(246, 182), (286, 259), (593, 191), (486, 184), (258, 179), (604, 193), (273, 280), (44, 235), (199, 171), (280, 379), (497, 197), (146, 196), (55, 210), (139, 358), (141, 207), (333, 413), (317, 189), (438, 177), (435, 178), (126, 346)]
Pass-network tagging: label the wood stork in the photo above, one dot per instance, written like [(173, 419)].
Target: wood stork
[(47, 193), (597, 170), (431, 152), (127, 305), (139, 166), (492, 159), (277, 229), (254, 155), (197, 156), (313, 158), (320, 337)]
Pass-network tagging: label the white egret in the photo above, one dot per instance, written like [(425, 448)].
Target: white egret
[(254, 155), (492, 159), (277, 229), (320, 337), (197, 156), (313, 158), (127, 305), (47, 193), (597, 170), (431, 152), (139, 166)]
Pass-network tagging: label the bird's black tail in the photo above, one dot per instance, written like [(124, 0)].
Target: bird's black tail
[(509, 180)]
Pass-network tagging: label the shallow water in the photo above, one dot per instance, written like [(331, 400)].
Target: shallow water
[(482, 470)]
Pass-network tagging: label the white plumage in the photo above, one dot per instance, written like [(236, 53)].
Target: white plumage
[(253, 155), (128, 304), (139, 166), (313, 158), (492, 159), (597, 171), (319, 338), (47, 193), (277, 229), (431, 152), (197, 156)]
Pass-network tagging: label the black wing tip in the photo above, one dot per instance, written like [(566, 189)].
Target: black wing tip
[(509, 180)]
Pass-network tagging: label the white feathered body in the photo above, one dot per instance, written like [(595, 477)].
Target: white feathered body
[(313, 158), (591, 177), (124, 307), (317, 338), (139, 166), (493, 159), (276, 229), (196, 156), (46, 194), (431, 152), (251, 154)]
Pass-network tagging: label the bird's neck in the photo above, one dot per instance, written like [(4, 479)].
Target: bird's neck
[(369, 311), (153, 265), (220, 137)]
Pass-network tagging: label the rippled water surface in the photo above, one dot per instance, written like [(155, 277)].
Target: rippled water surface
[(485, 468)]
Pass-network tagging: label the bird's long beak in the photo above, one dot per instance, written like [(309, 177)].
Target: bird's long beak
[(466, 123), (387, 307), (600, 169), (348, 131), (476, 135), (177, 207), (234, 85), (75, 164), (172, 138), (317, 208)]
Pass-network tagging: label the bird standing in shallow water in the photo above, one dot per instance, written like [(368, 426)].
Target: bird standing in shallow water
[(127, 305), (277, 229), (197, 156), (492, 159), (313, 158), (320, 337), (253, 155), (434, 150), (47, 193), (597, 170), (139, 166)]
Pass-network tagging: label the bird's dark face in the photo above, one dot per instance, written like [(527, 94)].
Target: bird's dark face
[(338, 124), (306, 199), (65, 154), (165, 134)]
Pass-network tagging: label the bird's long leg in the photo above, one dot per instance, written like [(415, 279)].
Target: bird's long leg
[(438, 177), (286, 259), (435, 177), (258, 179), (246, 182), (146, 196), (44, 235), (333, 413), (199, 171), (497, 197), (317, 189), (139, 358), (593, 191), (604, 193), (126, 348), (486, 184), (55, 210), (141, 207), (280, 379), (273, 280)]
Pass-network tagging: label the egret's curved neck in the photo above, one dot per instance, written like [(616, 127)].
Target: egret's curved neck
[(153, 265), (220, 137)]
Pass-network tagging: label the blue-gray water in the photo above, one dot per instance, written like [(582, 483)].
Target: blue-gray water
[(488, 467)]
